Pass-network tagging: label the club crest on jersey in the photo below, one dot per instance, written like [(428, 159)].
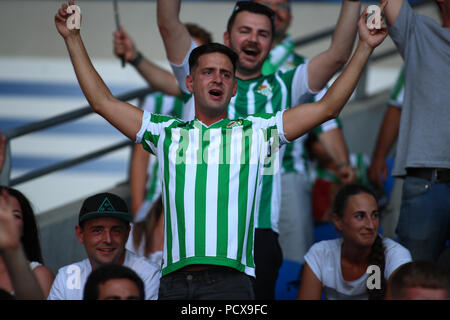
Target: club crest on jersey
[(265, 90), (236, 123)]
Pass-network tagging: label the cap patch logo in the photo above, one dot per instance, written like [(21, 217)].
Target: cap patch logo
[(106, 206)]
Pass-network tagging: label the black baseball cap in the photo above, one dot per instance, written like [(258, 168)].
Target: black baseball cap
[(104, 205)]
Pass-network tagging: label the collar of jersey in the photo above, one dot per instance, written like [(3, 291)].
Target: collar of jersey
[(218, 124)]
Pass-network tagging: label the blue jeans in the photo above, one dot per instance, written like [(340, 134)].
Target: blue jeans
[(424, 222), (211, 284)]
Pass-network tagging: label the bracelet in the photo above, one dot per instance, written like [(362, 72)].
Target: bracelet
[(136, 61), (343, 164)]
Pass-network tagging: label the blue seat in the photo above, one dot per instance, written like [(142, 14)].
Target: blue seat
[(288, 280), (325, 231)]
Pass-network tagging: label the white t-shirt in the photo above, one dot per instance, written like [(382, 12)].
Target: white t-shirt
[(324, 259), (70, 280)]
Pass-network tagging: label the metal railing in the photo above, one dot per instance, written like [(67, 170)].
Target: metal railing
[(55, 121), (140, 95)]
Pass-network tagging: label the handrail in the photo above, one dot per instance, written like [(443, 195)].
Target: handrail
[(69, 116), (55, 121), (135, 94)]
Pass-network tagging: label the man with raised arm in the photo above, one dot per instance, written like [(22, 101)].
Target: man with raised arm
[(423, 154), (249, 33), (295, 224), (211, 166)]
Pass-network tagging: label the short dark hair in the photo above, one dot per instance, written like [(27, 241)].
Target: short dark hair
[(425, 274), (198, 32), (252, 7), (108, 272), (212, 48)]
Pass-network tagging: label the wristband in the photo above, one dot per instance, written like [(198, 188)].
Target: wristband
[(136, 61)]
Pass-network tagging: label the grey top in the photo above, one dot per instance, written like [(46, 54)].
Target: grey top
[(424, 135)]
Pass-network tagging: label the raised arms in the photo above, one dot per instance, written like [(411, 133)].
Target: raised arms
[(299, 120), (174, 33), (125, 117), (158, 78), (325, 65)]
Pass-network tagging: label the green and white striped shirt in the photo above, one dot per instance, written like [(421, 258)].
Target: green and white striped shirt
[(160, 103), (265, 94), (211, 177)]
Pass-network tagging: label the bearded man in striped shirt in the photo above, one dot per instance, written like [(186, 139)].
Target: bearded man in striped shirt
[(211, 167)]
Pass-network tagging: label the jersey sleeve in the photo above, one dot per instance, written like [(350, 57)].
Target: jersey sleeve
[(182, 70), (300, 91), (270, 121), (152, 125)]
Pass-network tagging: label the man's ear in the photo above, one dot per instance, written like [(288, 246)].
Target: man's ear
[(189, 83), (226, 38), (79, 233), (127, 233), (235, 86)]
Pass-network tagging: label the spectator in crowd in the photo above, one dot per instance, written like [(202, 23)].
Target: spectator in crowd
[(20, 278), (114, 282), (378, 169), (103, 229), (146, 237), (419, 280), (249, 33), (295, 225), (26, 225), (199, 245), (338, 268), (422, 157)]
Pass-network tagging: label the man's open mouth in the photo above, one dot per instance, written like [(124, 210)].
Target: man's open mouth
[(251, 52), (215, 92)]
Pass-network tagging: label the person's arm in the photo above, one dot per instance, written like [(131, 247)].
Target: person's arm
[(122, 115), (299, 120), (138, 177), (25, 284), (310, 286), (157, 77), (392, 10), (387, 135), (45, 277), (324, 66), (176, 37), (334, 143)]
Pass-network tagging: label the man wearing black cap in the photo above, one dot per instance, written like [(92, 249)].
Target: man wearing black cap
[(103, 228)]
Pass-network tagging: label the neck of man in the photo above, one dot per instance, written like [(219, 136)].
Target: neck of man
[(243, 74), (209, 118)]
